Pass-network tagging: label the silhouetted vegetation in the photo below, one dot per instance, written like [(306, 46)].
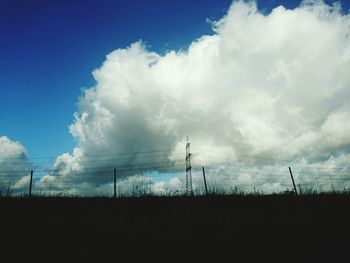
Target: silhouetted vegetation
[(281, 227)]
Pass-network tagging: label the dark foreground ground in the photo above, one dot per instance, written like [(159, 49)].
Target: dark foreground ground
[(219, 229)]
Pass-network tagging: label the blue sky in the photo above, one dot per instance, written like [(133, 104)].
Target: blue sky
[(48, 50)]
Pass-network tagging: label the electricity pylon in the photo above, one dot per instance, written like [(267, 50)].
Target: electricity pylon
[(189, 190)]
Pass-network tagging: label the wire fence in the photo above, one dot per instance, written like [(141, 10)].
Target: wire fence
[(162, 172), (170, 181)]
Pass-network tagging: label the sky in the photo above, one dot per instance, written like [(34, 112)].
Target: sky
[(69, 69), (48, 50)]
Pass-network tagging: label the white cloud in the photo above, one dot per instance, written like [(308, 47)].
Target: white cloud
[(269, 86), (14, 166)]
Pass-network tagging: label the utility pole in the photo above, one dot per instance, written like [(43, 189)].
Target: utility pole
[(291, 175), (205, 181), (189, 190)]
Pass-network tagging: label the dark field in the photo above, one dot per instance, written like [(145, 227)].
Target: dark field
[(277, 228)]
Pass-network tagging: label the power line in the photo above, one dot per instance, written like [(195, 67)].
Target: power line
[(88, 156)]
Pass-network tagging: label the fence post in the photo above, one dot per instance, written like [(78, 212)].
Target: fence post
[(205, 181), (291, 175), (115, 183), (30, 183), (8, 189)]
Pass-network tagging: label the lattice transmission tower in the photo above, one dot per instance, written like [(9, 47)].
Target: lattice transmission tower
[(189, 190)]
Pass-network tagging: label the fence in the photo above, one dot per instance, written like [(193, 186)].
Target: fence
[(114, 182)]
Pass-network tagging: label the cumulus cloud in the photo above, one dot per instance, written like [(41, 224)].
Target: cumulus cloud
[(14, 166), (262, 87)]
